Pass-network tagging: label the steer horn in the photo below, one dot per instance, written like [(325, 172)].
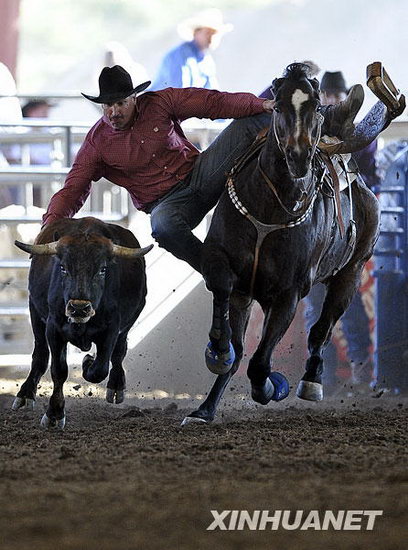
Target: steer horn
[(126, 252), (41, 249)]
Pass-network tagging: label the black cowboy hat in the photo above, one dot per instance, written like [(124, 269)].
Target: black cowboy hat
[(115, 84), (333, 82)]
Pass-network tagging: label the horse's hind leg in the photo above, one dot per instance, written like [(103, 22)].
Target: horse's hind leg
[(240, 310), (340, 291)]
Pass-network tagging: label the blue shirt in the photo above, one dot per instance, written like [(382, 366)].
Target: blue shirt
[(186, 66)]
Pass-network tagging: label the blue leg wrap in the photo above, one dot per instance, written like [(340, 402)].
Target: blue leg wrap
[(281, 385), (219, 363)]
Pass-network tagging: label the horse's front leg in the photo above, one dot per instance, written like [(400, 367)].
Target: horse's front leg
[(267, 385), (219, 354), (340, 291), (240, 309)]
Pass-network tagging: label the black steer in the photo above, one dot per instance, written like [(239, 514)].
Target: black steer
[(87, 284)]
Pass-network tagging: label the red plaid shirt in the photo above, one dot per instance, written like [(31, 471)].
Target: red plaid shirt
[(153, 155)]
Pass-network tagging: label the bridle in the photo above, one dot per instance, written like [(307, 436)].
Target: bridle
[(320, 120)]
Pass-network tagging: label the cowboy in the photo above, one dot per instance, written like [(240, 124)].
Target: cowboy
[(139, 144), (190, 63)]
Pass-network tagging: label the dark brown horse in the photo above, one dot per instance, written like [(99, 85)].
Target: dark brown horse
[(274, 234)]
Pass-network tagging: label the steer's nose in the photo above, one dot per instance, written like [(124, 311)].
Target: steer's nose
[(79, 308)]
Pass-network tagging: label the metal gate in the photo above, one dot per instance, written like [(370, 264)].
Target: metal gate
[(391, 261)]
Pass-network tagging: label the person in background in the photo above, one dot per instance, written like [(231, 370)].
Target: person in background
[(37, 108), (355, 321), (190, 64), (39, 153)]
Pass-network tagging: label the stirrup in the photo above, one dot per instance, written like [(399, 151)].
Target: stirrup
[(382, 86)]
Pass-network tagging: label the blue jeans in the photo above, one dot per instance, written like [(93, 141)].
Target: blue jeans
[(175, 215)]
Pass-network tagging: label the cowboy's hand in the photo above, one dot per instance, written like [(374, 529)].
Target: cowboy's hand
[(394, 113), (268, 105)]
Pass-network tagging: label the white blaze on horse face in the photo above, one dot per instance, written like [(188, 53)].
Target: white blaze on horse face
[(298, 98)]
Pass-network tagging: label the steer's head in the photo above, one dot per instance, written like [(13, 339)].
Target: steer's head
[(84, 263)]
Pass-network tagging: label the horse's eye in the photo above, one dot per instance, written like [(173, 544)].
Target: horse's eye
[(102, 271), (63, 270), (276, 109)]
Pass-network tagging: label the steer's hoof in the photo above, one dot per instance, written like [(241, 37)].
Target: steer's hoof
[(311, 391), (275, 388), (115, 396), (23, 402), (193, 420), (47, 422), (219, 363)]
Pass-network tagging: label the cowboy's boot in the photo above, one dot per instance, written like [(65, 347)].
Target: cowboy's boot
[(367, 130), (338, 119)]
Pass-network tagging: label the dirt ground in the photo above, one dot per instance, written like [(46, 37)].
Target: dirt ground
[(130, 477)]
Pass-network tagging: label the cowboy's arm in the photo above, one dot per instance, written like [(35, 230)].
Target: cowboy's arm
[(201, 103), (68, 200)]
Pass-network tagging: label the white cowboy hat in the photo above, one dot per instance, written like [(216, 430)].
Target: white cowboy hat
[(211, 18)]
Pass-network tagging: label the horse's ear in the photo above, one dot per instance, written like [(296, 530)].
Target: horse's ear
[(315, 83), (276, 84)]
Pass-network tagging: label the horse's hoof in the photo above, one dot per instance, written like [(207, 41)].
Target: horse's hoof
[(115, 396), (47, 422), (275, 388), (20, 402), (193, 420), (219, 363), (311, 391)]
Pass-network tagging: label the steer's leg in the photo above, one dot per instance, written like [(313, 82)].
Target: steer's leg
[(97, 369), (117, 379), (39, 363), (55, 415), (240, 309), (267, 385)]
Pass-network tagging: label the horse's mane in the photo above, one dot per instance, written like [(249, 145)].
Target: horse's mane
[(295, 72)]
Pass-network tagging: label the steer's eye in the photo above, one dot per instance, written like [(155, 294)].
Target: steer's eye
[(63, 270)]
